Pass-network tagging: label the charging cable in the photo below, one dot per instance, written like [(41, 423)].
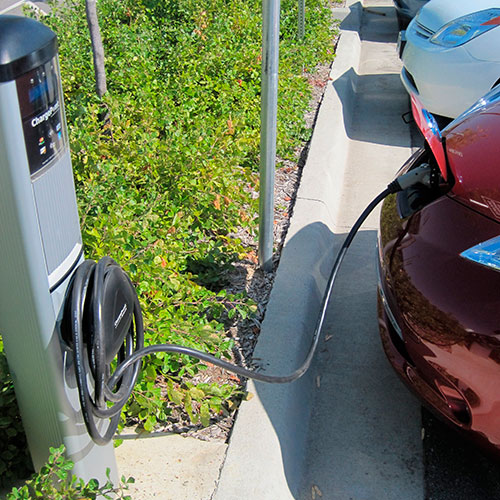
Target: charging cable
[(102, 322)]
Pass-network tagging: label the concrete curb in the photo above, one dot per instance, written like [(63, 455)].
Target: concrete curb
[(267, 450), (326, 163)]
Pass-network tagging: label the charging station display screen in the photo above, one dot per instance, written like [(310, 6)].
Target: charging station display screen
[(40, 103)]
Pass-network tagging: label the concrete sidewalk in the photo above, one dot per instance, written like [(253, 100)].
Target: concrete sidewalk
[(365, 432)]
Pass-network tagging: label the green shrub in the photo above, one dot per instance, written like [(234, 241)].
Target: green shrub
[(55, 482), (165, 186), (164, 193), (15, 461)]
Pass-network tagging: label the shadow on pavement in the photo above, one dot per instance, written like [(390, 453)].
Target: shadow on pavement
[(377, 15), (298, 292), (365, 428), (454, 469), (380, 104), (339, 427)]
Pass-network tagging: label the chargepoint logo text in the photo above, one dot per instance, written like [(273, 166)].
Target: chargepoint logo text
[(45, 116), (120, 315)]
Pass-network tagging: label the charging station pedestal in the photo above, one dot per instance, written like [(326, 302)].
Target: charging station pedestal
[(40, 246)]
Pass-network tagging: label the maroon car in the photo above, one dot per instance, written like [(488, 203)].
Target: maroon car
[(439, 289)]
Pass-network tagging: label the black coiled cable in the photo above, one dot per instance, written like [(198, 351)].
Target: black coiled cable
[(108, 392), (84, 307)]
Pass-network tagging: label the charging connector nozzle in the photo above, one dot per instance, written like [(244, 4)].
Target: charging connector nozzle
[(419, 175)]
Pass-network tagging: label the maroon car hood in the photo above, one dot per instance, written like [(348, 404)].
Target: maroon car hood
[(473, 151)]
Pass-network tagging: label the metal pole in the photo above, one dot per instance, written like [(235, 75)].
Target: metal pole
[(302, 19), (268, 120)]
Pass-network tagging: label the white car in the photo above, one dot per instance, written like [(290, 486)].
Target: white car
[(452, 54)]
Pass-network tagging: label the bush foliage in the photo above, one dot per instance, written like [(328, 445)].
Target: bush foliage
[(15, 461), (165, 185), (54, 482)]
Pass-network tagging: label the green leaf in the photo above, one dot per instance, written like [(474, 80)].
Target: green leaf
[(149, 423), (205, 415), (196, 393)]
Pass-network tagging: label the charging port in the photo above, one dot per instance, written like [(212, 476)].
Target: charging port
[(417, 196)]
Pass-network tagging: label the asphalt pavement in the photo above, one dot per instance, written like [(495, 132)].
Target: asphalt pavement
[(15, 7)]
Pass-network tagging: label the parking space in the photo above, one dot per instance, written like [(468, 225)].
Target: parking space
[(15, 7), (365, 436), (368, 437)]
